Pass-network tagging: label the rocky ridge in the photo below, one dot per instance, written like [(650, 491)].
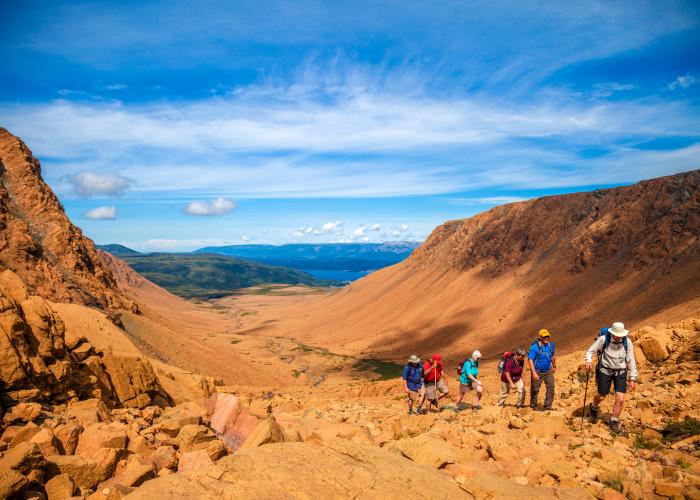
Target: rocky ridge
[(38, 241)]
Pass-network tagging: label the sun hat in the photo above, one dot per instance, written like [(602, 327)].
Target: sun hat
[(414, 359), (544, 332), (476, 355), (520, 352), (618, 329)]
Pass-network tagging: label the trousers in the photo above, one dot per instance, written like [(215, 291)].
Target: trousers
[(548, 379)]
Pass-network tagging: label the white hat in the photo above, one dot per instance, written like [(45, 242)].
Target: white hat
[(476, 355), (618, 329), (414, 359)]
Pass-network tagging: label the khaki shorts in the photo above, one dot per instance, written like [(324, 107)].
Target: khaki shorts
[(430, 388), (418, 393)]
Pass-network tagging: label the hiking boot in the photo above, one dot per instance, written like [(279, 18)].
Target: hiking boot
[(410, 411), (456, 409), (614, 426), (593, 412), (476, 407), (548, 408)]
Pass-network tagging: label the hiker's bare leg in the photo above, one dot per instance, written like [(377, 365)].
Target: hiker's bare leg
[(617, 407), (479, 389), (458, 401), (597, 399)]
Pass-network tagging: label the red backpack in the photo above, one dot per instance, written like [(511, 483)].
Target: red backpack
[(461, 365), (504, 358)]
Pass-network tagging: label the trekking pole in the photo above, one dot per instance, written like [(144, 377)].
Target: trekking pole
[(585, 394)]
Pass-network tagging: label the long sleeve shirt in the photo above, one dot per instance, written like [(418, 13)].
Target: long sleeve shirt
[(614, 358)]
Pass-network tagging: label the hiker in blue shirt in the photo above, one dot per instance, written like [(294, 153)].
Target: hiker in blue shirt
[(413, 383), (543, 365)]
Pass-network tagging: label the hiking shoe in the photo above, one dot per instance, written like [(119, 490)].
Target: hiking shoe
[(456, 409), (410, 411), (548, 408), (614, 426), (476, 407), (593, 412)]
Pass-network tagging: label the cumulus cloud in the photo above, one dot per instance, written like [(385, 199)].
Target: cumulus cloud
[(88, 184), (102, 213), (220, 206), (683, 82), (323, 230)]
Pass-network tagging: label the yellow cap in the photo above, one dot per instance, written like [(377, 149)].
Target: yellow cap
[(544, 333)]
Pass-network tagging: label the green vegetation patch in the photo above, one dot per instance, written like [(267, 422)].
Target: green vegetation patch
[(643, 443), (681, 429), (386, 370)]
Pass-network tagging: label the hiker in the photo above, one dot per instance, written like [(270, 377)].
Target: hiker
[(615, 353), (543, 365), (468, 381), (413, 383), (434, 380), (512, 377)]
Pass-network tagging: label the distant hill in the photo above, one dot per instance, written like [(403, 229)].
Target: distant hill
[(208, 275), (118, 250), (338, 260)]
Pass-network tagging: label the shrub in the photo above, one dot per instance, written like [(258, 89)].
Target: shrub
[(642, 443), (681, 429)]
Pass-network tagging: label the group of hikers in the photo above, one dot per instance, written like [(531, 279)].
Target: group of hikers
[(426, 381)]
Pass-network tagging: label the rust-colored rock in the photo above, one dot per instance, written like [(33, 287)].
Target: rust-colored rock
[(39, 243)]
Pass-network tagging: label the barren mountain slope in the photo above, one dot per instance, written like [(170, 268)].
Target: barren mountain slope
[(570, 263), (39, 243)]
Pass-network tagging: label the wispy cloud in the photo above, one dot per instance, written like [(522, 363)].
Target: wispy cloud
[(88, 184), (682, 82), (219, 206), (102, 213), (116, 86)]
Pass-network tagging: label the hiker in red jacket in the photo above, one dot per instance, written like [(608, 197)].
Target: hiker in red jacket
[(434, 381)]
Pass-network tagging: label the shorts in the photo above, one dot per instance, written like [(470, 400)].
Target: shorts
[(430, 389), (465, 388), (617, 379), (417, 393)]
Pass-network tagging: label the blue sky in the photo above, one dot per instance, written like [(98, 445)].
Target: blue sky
[(174, 125)]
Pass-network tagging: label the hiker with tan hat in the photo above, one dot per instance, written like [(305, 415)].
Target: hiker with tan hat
[(615, 354), (543, 365), (413, 382)]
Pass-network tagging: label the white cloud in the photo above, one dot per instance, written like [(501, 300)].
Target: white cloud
[(608, 89), (88, 184), (488, 200), (174, 245), (683, 81), (220, 206), (323, 230), (102, 213), (245, 238), (374, 227)]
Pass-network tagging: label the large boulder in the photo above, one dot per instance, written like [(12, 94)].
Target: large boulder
[(133, 379), (60, 487), (20, 467), (85, 472), (102, 435), (656, 346), (302, 470), (428, 450), (267, 431), (230, 419)]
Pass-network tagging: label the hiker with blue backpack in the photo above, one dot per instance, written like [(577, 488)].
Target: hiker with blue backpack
[(543, 365), (615, 354), (413, 383), (468, 381), (511, 369)]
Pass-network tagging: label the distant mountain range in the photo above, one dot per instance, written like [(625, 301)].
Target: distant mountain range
[(208, 275), (337, 262)]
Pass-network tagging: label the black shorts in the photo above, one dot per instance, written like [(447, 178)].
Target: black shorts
[(604, 381)]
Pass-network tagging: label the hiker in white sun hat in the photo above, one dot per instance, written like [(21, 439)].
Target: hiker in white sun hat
[(413, 383), (615, 355)]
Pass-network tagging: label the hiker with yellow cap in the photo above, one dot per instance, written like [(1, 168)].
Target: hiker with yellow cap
[(615, 353), (543, 365)]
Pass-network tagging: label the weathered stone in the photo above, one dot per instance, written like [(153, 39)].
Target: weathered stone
[(101, 435), (68, 435), (194, 460), (87, 412), (192, 435), (47, 442), (668, 489), (85, 472), (24, 458), (229, 419), (655, 346), (23, 412), (24, 434), (113, 491), (46, 330), (135, 472), (428, 450), (11, 483), (164, 457), (216, 449), (267, 431), (83, 351), (60, 487), (132, 378)]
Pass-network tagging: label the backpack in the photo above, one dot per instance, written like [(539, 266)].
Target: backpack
[(413, 371), (608, 339), (504, 358), (461, 365)]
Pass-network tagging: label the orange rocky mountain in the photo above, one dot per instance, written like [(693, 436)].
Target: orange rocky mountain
[(571, 263), (39, 242)]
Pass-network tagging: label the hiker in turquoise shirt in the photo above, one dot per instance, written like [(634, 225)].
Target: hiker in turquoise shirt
[(469, 382)]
